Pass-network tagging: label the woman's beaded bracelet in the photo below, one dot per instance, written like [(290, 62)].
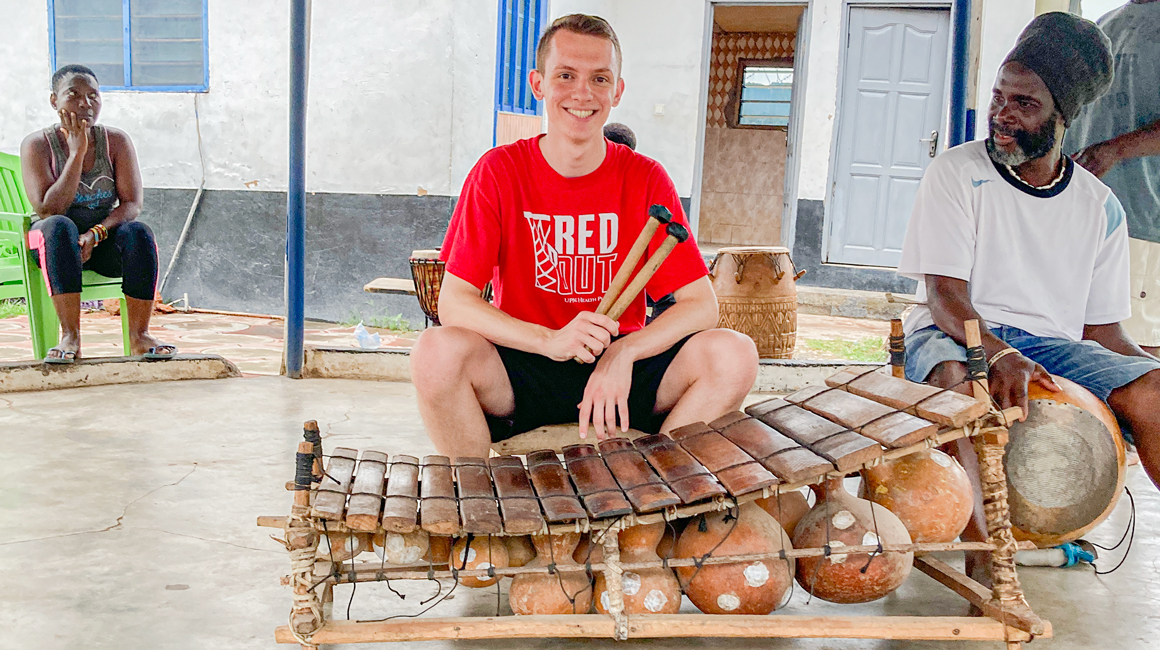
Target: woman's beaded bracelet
[(100, 233)]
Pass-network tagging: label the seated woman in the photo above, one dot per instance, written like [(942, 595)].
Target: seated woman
[(85, 186)]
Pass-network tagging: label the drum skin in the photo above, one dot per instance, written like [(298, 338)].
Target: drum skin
[(484, 552), (928, 490), (756, 587), (756, 296), (545, 593), (1046, 482), (845, 520), (646, 591), (788, 509)]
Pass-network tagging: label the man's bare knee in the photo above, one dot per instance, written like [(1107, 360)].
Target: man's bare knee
[(722, 359), (442, 352), (950, 374)]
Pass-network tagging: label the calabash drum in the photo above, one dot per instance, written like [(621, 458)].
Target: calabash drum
[(427, 271), (757, 296), (1065, 465)]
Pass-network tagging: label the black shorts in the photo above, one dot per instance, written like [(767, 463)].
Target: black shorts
[(549, 392)]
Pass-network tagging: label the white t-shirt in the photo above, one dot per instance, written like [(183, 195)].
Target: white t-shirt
[(1044, 261)]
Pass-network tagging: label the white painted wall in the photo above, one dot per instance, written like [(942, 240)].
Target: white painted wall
[(401, 96), (1003, 21), (661, 42)]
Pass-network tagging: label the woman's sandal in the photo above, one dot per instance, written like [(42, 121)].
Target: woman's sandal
[(155, 353), (64, 356)]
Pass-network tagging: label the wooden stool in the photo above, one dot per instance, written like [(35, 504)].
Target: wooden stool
[(553, 436)]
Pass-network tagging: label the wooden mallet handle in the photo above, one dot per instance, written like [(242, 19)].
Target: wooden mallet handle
[(658, 214), (676, 234)]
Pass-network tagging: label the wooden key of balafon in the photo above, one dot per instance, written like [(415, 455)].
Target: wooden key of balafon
[(785, 457), (675, 234), (739, 472), (330, 502), (944, 407), (366, 494), (599, 490), (478, 510), (890, 428), (845, 449), (684, 475), (401, 507), (557, 496), (646, 490), (438, 510), (517, 499)]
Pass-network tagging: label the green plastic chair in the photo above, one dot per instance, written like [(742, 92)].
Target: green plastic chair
[(21, 278)]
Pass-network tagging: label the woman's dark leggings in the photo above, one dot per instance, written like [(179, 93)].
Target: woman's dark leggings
[(129, 253)]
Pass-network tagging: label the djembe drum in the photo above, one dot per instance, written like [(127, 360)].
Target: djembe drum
[(757, 296), (427, 271)]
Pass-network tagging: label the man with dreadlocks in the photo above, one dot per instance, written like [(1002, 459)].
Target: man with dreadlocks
[(1012, 233)]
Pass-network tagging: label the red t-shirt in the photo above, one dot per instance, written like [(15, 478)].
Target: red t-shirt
[(551, 245)]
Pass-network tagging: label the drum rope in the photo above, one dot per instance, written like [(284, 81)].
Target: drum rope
[(1129, 534)]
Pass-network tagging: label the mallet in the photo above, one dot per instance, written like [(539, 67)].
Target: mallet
[(676, 234), (659, 215)]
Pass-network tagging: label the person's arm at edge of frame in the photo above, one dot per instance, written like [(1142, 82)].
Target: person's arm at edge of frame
[(949, 301), (51, 197), (1113, 337), (461, 304), (1101, 157)]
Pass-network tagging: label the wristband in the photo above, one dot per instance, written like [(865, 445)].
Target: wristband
[(100, 233), (1000, 354)]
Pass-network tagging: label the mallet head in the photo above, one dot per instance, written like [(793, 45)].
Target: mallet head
[(677, 231), (660, 213)]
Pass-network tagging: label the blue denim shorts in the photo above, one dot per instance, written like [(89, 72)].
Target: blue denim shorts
[(1087, 363)]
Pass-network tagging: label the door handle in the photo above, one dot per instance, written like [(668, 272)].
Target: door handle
[(933, 140)]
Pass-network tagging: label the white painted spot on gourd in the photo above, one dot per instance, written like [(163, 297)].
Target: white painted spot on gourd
[(869, 539), (843, 520), (940, 458), (630, 583), (756, 574), (483, 566), (466, 555), (411, 554), (728, 602), (837, 558), (655, 600), (604, 600)]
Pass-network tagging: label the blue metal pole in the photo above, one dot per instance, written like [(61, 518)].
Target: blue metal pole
[(960, 71), (296, 196)]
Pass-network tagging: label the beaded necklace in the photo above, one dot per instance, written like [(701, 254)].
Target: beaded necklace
[(1016, 176)]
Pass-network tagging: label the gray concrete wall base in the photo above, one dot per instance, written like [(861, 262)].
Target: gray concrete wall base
[(23, 376), (773, 375), (822, 301)]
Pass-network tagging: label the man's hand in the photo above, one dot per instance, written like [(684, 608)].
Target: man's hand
[(585, 338), (1099, 158), (87, 241), (607, 393), (1009, 379), (76, 133)]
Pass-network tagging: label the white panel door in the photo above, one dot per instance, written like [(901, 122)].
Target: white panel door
[(890, 122)]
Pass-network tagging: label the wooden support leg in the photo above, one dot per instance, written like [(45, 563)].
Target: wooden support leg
[(1007, 594), (612, 582)]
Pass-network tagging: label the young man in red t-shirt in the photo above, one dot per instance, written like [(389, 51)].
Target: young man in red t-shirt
[(548, 221)]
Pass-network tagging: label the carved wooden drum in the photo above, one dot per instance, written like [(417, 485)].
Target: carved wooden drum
[(427, 271), (757, 296)]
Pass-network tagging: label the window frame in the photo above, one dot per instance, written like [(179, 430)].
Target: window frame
[(525, 58), (127, 55), (733, 108)]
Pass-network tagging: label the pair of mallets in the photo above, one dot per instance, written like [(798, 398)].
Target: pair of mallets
[(619, 296)]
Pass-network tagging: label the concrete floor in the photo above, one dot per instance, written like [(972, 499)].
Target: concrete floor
[(133, 526)]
